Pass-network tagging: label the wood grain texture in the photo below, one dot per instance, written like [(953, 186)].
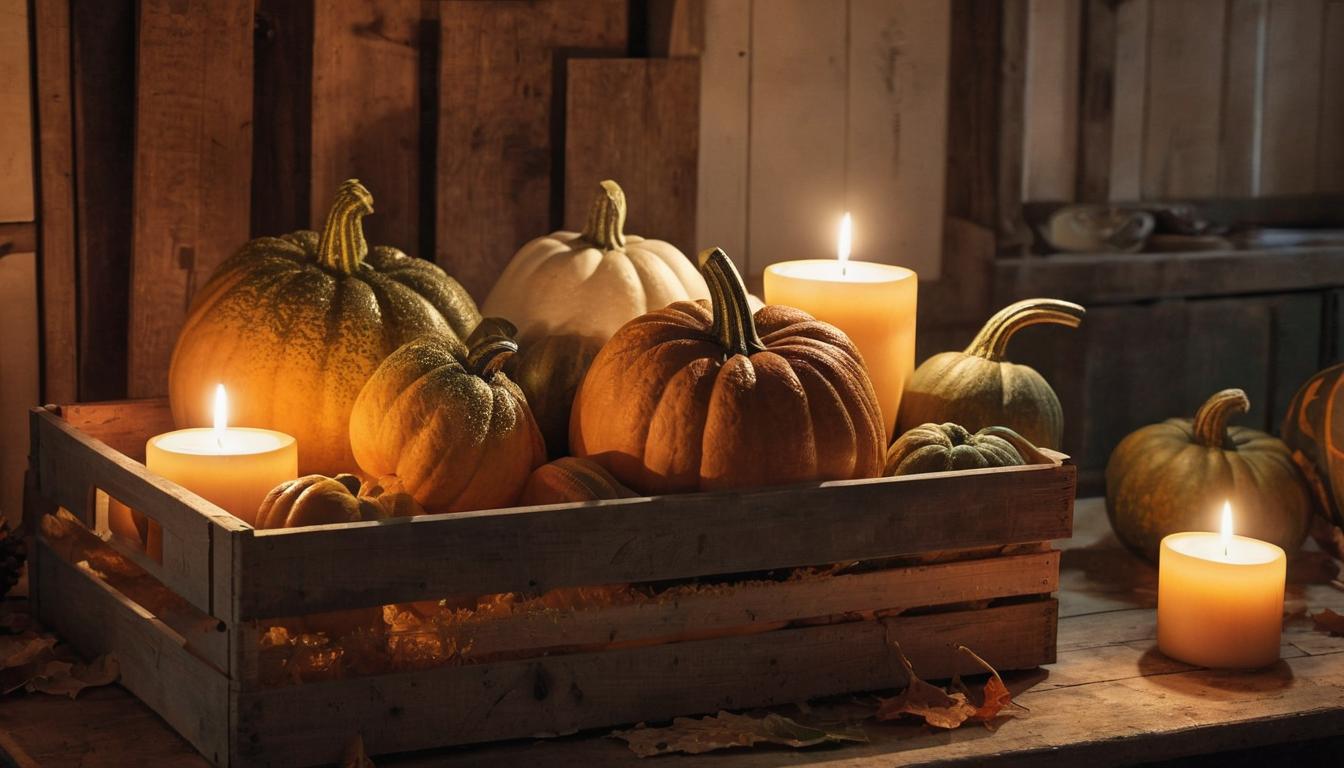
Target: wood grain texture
[(1243, 99), (366, 113), (796, 175), (635, 121), (1184, 104), (501, 114), (896, 161), (725, 111), (123, 425), (20, 373), (1130, 103), (56, 163), (563, 694), (1292, 83), (193, 151), (1330, 149), (16, 115), (1050, 163), (1011, 229), (1096, 101), (282, 89)]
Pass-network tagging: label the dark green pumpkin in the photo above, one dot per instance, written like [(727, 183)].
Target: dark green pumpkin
[(1174, 476), (948, 447)]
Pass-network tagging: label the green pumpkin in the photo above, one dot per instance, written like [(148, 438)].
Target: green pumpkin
[(1174, 476), (948, 447), (978, 388)]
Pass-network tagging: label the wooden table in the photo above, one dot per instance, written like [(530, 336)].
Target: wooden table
[(1111, 699)]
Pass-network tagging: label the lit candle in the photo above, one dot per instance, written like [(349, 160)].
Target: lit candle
[(1220, 598), (874, 304), (233, 467)]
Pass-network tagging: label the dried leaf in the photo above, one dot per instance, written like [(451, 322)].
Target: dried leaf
[(996, 695), (60, 678), (354, 755), (23, 649), (937, 707), (1329, 621), (724, 730)]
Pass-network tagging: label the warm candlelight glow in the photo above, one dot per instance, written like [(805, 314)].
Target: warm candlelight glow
[(844, 241), (221, 409), (1226, 530)]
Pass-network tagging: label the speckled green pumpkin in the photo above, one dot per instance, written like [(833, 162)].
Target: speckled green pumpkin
[(294, 325), (1174, 476), (948, 447)]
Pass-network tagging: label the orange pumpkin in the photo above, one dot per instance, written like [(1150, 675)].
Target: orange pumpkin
[(570, 479), (704, 396)]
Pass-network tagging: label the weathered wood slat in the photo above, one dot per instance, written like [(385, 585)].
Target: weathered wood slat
[(1096, 115), (193, 150), (16, 109), (1243, 98), (501, 113), (725, 85), (366, 113), (282, 153), (290, 572), (123, 425), (1292, 96), (56, 164), (1051, 139), (1130, 103), (635, 121), (1330, 150), (188, 693), (567, 693)]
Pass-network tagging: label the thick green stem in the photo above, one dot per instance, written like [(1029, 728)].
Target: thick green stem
[(488, 357), (733, 325), (1211, 419), (606, 219), (992, 340), (342, 246)]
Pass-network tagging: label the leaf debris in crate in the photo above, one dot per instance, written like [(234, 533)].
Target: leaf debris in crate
[(696, 735)]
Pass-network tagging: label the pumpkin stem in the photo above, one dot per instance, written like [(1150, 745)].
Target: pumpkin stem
[(1211, 419), (992, 340), (343, 246), (733, 325), (489, 356), (606, 219)]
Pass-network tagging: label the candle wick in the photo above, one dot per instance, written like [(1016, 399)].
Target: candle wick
[(844, 269)]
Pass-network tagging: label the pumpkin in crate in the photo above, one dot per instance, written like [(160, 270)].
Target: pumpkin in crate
[(570, 479), (448, 424), (704, 396), (1313, 429), (978, 388), (1175, 476), (948, 447), (294, 325), (321, 500), (568, 292)]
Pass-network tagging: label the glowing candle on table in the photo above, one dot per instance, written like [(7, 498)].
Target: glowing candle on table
[(874, 304), (1220, 598), (233, 467)]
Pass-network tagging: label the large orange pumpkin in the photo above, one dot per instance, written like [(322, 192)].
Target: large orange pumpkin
[(702, 396), (293, 326), (1313, 429)]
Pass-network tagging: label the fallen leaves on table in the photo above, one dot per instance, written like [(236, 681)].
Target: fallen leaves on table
[(354, 755), (32, 662), (61, 678), (23, 649), (1329, 621), (695, 735), (940, 708)]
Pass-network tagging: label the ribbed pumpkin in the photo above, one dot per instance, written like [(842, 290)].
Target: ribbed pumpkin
[(568, 292), (294, 325), (690, 397), (948, 447), (571, 479), (452, 428), (1313, 429), (1175, 476), (977, 388), (321, 500)]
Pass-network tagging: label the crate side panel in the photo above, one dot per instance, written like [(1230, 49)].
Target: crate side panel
[(650, 539), (310, 723), (123, 425), (185, 691)]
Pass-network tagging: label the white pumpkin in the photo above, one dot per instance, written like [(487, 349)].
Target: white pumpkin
[(568, 292)]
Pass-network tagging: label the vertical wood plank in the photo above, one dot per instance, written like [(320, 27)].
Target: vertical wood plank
[(1051, 135), (1330, 150), (796, 172), (725, 108), (1013, 233), (1130, 103), (501, 101), (896, 164), (282, 89), (366, 112), (16, 114), (1292, 96), (1095, 117), (103, 84), (193, 154), (57, 227), (1243, 99), (648, 144), (1185, 87), (19, 373)]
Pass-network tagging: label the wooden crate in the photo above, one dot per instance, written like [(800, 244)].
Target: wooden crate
[(965, 559)]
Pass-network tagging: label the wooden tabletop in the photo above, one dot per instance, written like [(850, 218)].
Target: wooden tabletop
[(1111, 699)]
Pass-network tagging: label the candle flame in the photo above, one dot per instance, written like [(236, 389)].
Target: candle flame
[(844, 241), (221, 411), (1226, 531)]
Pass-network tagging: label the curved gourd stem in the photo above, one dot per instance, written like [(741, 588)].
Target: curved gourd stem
[(343, 246), (606, 219), (486, 358), (1211, 419), (733, 326), (1025, 448), (992, 340)]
